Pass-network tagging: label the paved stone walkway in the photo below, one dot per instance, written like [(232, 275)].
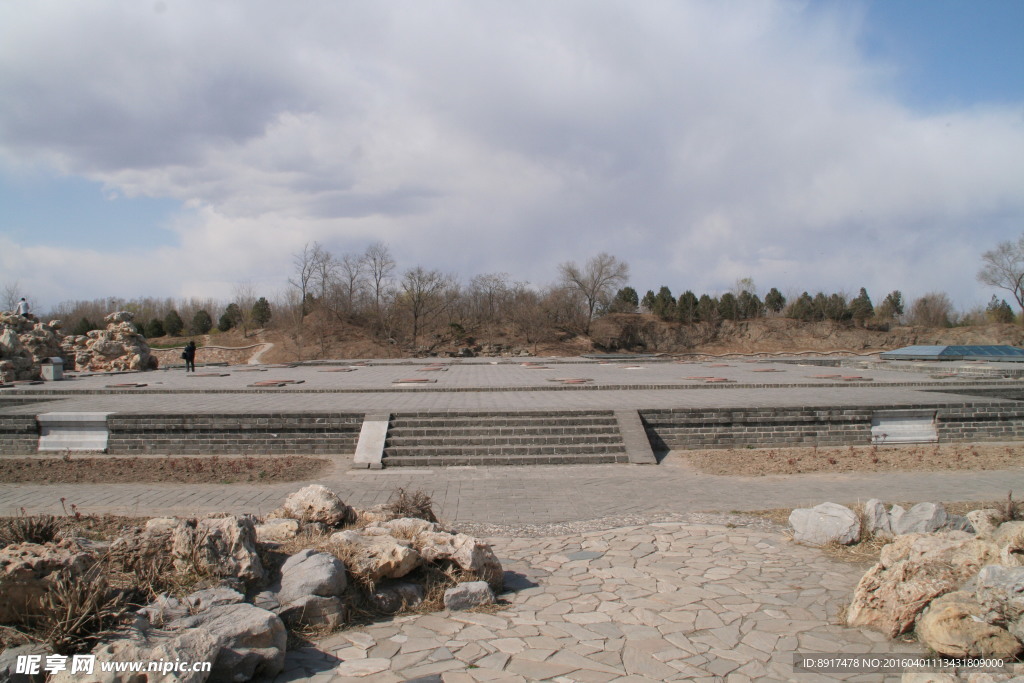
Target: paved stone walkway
[(667, 601), (614, 573)]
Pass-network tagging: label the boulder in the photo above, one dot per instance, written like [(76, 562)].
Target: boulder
[(876, 519), (252, 640), (162, 525), (24, 344), (952, 626), (1000, 591), (376, 557), (133, 645), (397, 596), (119, 347), (314, 610), (912, 571), (167, 608), (468, 595), (9, 663), (27, 571), (277, 530), (825, 523), (316, 503), (985, 522), (920, 519), (309, 572), (468, 553), (224, 546), (1010, 538)]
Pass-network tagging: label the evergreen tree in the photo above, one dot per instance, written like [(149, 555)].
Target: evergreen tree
[(155, 328), (892, 306), (707, 309), (727, 307), (802, 308), (664, 304), (224, 323), (625, 301), (998, 311), (836, 308), (173, 324), (749, 306), (261, 312), (861, 308), (648, 301), (774, 301), (201, 322), (686, 307)]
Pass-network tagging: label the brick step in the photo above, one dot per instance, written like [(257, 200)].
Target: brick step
[(511, 413), (505, 450), (460, 439), (401, 422), (563, 430), (505, 460)]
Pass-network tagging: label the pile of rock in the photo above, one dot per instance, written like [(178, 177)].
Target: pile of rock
[(833, 523), (119, 347), (957, 583), (246, 637), (24, 344)]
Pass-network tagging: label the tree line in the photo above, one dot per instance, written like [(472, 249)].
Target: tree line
[(329, 295)]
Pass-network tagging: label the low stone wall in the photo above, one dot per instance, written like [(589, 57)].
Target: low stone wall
[(19, 434), (232, 434), (823, 426), (756, 427)]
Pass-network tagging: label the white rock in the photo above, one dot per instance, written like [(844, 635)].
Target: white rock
[(921, 519), (316, 503), (825, 523), (314, 610), (985, 522), (377, 557), (876, 519), (309, 572), (253, 640), (468, 595), (277, 530)]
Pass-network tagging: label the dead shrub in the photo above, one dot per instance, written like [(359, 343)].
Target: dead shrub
[(29, 529), (1010, 509), (79, 611), (411, 504)]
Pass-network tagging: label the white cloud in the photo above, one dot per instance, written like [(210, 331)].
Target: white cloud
[(700, 141)]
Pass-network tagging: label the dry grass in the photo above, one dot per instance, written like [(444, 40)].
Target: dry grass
[(416, 504), (757, 462)]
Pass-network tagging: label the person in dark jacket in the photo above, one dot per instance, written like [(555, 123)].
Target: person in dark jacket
[(189, 354)]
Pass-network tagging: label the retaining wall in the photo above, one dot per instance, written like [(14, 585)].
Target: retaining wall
[(270, 434), (823, 425), (19, 434)]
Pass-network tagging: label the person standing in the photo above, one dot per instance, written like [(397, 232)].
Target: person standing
[(189, 354), (23, 308)]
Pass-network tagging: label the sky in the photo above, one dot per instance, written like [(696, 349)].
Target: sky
[(176, 148)]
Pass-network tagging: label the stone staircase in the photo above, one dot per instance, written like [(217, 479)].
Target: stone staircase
[(515, 438)]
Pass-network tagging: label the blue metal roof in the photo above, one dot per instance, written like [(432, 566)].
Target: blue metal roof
[(971, 352)]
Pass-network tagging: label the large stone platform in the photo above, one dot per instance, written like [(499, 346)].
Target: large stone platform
[(524, 411)]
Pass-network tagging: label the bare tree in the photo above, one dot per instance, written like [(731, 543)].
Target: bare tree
[(11, 294), (381, 266), (424, 294), (931, 310), (596, 283), (245, 296), (307, 264), (351, 283), (1004, 268)]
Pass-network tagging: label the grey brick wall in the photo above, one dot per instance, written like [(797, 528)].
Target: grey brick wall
[(280, 434), (823, 425), (19, 434)]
